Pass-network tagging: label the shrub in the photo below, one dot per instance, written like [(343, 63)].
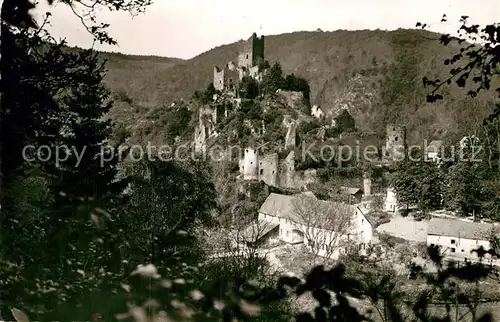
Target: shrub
[(121, 95)]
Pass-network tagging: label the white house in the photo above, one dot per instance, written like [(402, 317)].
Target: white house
[(391, 201), (468, 141), (434, 151), (294, 228), (458, 239)]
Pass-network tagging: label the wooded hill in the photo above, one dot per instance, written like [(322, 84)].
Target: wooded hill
[(377, 75)]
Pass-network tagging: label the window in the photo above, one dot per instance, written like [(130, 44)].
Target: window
[(251, 162), (452, 250), (247, 56), (261, 171), (432, 245), (396, 139), (462, 250), (453, 241), (273, 171)]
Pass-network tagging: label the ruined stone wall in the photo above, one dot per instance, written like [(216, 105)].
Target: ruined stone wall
[(292, 98), (218, 78), (304, 178), (268, 169), (287, 171), (231, 81), (200, 135), (367, 186), (226, 79), (291, 135), (208, 117), (395, 144)]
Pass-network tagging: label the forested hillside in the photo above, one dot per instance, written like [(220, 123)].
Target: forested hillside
[(377, 74)]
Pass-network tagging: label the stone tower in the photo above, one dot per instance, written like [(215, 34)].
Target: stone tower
[(367, 185), (250, 164), (251, 52), (268, 169), (395, 144), (226, 79)]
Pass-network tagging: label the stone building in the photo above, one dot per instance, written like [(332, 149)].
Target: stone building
[(459, 239), (208, 118), (279, 210), (251, 52), (250, 56), (367, 185), (226, 79), (395, 144), (268, 169), (273, 171), (391, 201), (434, 151)]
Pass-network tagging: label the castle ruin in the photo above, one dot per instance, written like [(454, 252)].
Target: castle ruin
[(273, 171), (250, 57), (395, 144)]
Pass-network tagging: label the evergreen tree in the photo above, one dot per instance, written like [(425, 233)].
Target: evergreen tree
[(249, 88), (345, 122), (83, 102), (418, 183), (273, 79)]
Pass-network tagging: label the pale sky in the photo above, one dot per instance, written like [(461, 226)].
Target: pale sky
[(186, 28)]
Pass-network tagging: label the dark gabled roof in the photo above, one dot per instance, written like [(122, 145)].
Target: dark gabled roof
[(349, 190), (281, 206), (257, 230), (434, 146), (459, 228)]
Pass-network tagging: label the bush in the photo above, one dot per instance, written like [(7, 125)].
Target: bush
[(249, 88), (122, 96), (205, 96)]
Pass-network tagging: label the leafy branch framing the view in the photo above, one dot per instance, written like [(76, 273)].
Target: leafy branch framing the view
[(477, 60)]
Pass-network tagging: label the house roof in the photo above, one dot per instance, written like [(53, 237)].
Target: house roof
[(374, 216), (349, 190), (434, 146), (307, 194), (257, 230), (282, 206), (459, 228)]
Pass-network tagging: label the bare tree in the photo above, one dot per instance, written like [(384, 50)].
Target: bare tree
[(377, 203), (326, 225)]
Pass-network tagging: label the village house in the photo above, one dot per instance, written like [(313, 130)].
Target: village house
[(280, 210), (354, 194), (459, 239), (434, 151), (259, 232)]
